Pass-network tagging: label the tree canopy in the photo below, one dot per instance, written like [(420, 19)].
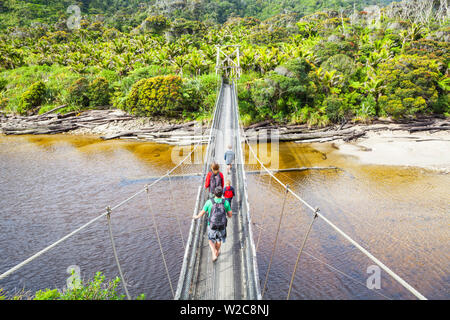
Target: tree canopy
[(326, 66)]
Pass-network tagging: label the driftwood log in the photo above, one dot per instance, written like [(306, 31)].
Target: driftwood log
[(345, 131), (193, 132), (52, 123)]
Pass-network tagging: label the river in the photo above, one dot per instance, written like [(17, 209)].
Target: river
[(50, 185)]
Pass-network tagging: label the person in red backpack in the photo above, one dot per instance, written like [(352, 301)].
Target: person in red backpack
[(214, 179), (228, 192)]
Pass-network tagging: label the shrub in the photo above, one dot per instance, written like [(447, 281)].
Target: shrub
[(111, 33), (78, 93), (325, 49), (341, 63), (157, 96), (335, 108), (192, 94), (58, 36), (262, 93), (431, 50), (332, 23), (3, 83), (96, 26), (142, 73), (123, 87), (33, 97), (367, 108), (318, 118), (246, 119), (442, 105), (208, 91), (284, 90), (265, 35), (47, 294), (410, 85), (95, 289), (182, 26), (247, 107), (99, 92), (155, 24), (3, 103)]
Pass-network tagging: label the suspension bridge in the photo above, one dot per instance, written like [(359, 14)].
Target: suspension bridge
[(235, 275)]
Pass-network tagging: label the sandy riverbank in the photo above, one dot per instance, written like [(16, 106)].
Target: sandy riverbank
[(384, 143), (426, 149), (401, 148)]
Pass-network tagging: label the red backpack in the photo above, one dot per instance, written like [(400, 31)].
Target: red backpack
[(228, 192)]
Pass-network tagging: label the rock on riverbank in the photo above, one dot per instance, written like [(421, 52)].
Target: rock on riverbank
[(117, 124)]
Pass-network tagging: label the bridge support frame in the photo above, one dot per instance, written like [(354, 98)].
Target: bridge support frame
[(228, 64)]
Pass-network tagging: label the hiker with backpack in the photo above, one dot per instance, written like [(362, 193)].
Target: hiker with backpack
[(214, 179), (218, 210), (228, 192)]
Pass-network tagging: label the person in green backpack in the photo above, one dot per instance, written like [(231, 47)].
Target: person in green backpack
[(218, 210)]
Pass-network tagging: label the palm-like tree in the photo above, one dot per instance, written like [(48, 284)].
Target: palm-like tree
[(210, 53), (119, 65), (248, 59), (97, 57), (444, 83), (327, 81), (197, 63), (267, 59), (180, 62), (404, 35), (416, 31), (11, 58), (161, 57), (119, 46), (148, 57), (42, 46), (172, 50), (377, 57), (308, 28), (370, 84), (184, 43), (212, 38)]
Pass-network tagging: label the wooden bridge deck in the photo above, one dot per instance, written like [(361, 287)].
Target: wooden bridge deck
[(232, 276), (218, 280)]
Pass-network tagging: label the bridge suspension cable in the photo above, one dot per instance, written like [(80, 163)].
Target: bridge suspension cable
[(276, 240), (108, 216), (339, 271), (301, 251), (107, 213), (329, 198), (159, 242), (405, 284)]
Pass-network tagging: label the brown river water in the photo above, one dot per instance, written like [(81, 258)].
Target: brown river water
[(51, 185)]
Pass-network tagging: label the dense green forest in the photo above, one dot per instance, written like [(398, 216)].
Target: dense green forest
[(126, 14), (315, 62)]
